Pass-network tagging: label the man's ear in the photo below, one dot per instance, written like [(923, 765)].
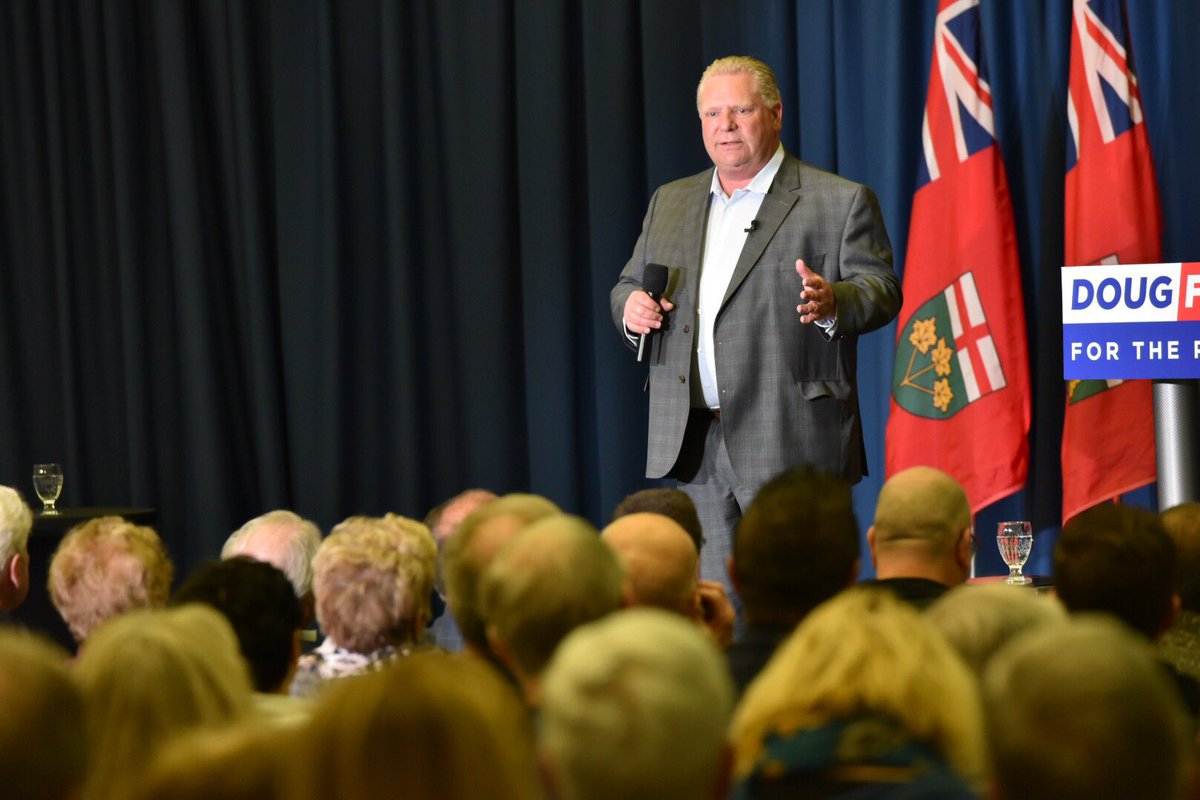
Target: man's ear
[(964, 548), (871, 547), (731, 568)]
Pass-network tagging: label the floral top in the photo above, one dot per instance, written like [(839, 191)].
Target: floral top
[(330, 661)]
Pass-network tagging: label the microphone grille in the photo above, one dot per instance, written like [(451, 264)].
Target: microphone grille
[(654, 279)]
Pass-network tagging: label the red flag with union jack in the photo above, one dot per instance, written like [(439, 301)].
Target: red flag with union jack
[(960, 386), (1112, 215)]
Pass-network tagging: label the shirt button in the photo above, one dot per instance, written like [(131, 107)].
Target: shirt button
[(687, 328), (683, 379)]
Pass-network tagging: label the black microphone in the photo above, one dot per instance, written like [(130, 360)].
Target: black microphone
[(753, 227), (654, 283)]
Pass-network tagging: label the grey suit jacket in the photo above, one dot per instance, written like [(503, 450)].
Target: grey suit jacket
[(788, 391)]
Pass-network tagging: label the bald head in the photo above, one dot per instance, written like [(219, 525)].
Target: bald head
[(920, 527), (659, 559)]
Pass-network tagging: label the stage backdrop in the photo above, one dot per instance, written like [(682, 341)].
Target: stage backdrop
[(352, 257)]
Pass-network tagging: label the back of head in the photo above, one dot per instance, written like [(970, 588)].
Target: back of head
[(864, 654), (1119, 560), (105, 567), (659, 560), (431, 725), (551, 578), (673, 503), (978, 621), (796, 545), (1083, 711), (372, 578), (152, 674), (1182, 523), (444, 518), (281, 538), (16, 521), (473, 546), (258, 601), (247, 759), (919, 521), (43, 751), (636, 705)]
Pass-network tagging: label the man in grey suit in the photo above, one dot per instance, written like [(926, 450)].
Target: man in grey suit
[(774, 270)]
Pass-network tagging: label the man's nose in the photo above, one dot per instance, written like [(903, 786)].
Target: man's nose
[(728, 119)]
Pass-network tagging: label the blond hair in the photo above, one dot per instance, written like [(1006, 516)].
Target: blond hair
[(372, 578), (636, 705), (865, 653), (43, 752), (105, 567), (149, 675), (551, 578), (471, 548), (431, 725), (764, 77), (978, 621), (282, 538), (16, 520)]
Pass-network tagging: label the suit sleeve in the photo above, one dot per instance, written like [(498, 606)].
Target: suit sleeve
[(631, 278), (867, 291)]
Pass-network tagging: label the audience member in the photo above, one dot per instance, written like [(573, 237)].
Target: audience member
[(922, 539), (285, 540), (43, 752), (246, 760), (659, 560), (548, 580), (1180, 645), (443, 521), (258, 601), (979, 620), (372, 578), (473, 546), (716, 609), (865, 699), (796, 546), (149, 675), (15, 523), (435, 725), (1081, 711), (105, 567), (636, 705), (1119, 560), (673, 503)]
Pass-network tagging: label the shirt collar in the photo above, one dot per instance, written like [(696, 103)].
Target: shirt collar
[(760, 183)]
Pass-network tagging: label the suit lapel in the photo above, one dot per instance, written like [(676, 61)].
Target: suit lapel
[(784, 193)]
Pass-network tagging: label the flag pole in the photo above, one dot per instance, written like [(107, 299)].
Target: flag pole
[(1175, 431)]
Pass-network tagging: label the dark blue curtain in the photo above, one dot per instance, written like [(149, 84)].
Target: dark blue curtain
[(349, 257)]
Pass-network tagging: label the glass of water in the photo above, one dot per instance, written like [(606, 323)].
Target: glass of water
[(47, 482), (1015, 540)]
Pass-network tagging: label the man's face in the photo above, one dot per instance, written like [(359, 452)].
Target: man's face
[(740, 132)]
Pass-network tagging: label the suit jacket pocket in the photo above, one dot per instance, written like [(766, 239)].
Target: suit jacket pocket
[(814, 390)]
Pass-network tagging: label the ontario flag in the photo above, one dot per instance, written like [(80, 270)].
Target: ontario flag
[(960, 387), (1112, 216)]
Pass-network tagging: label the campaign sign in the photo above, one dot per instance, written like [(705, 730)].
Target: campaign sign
[(1131, 321)]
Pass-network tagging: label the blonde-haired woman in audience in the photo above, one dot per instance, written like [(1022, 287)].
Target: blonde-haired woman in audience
[(864, 699), (149, 675), (105, 567), (247, 760), (434, 725), (372, 580)]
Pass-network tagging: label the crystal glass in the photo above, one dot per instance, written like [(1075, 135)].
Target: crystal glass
[(47, 482), (1015, 540)]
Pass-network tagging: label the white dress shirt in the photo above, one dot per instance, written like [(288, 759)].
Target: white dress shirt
[(729, 223)]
